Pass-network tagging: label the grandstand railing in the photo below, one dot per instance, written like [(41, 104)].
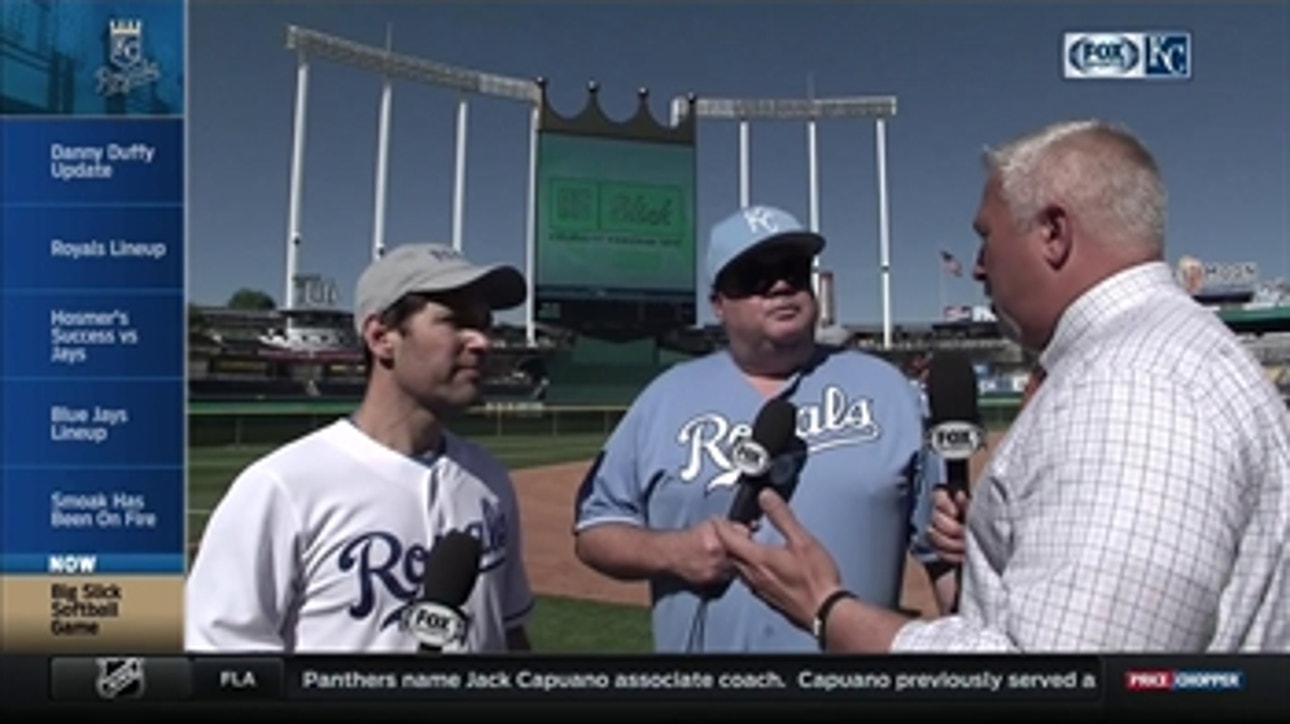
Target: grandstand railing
[(270, 423)]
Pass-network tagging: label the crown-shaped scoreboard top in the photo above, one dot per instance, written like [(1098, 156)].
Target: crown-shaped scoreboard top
[(126, 27), (592, 120)]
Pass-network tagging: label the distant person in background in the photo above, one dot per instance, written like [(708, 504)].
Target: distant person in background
[(917, 371), (1141, 500), (861, 479), (320, 546), (1191, 274)]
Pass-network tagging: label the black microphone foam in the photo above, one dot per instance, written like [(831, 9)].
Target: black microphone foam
[(952, 389), (772, 433), (452, 568)]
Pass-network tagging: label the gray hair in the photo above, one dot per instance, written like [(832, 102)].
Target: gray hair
[(1101, 171)]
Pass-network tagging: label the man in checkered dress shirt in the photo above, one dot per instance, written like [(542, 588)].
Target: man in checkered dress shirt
[(1141, 501)]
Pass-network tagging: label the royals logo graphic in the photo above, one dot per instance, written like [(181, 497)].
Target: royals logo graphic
[(388, 567), (129, 68), (833, 422)]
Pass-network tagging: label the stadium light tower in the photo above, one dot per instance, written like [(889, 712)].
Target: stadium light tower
[(811, 110), (382, 154), (390, 66)]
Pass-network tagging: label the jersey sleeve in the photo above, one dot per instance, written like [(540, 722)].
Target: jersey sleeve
[(242, 585), (927, 470), (611, 491), (517, 599)]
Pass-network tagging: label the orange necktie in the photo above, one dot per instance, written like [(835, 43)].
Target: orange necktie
[(1037, 376)]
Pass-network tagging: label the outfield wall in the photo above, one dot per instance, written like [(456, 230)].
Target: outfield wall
[(273, 423)]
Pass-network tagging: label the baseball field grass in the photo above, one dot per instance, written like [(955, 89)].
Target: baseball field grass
[(558, 625)]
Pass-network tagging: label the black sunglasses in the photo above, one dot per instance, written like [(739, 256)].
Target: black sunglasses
[(756, 276)]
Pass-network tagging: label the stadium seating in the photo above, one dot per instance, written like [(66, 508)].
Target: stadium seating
[(245, 389)]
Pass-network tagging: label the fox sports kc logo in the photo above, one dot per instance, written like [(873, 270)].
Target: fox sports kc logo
[(1126, 56), (1102, 55)]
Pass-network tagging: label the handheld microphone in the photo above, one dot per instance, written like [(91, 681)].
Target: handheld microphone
[(436, 619), (760, 456), (955, 431)]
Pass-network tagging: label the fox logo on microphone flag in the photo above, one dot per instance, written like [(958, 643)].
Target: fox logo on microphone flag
[(956, 440), (436, 625)]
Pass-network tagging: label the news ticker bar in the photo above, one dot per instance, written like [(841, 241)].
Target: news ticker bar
[(1091, 680)]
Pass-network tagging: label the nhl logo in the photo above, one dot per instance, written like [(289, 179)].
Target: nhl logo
[(119, 678)]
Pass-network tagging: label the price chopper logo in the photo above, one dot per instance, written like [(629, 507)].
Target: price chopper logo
[(1126, 56), (129, 68), (956, 440), (436, 625), (119, 678), (1184, 680)]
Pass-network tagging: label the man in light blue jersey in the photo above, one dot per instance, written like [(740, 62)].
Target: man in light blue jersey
[(862, 476)]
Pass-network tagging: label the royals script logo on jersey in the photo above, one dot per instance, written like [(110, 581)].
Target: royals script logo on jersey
[(834, 421), (388, 567)]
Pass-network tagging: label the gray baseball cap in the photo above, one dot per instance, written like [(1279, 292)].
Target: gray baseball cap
[(432, 268)]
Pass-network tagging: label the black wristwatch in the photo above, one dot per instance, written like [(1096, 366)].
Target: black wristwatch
[(822, 615)]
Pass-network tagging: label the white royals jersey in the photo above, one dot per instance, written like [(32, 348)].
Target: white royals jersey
[(321, 545)]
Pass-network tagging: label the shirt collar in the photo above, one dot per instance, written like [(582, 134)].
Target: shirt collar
[(1104, 300)]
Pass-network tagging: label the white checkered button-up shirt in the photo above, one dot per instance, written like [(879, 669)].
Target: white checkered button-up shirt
[(1140, 503)]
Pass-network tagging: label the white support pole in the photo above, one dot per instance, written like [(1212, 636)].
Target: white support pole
[(530, 233), (382, 162), (940, 277), (884, 240), (297, 179), (459, 183), (813, 171), (743, 164)]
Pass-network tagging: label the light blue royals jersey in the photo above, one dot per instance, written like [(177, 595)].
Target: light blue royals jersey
[(863, 487)]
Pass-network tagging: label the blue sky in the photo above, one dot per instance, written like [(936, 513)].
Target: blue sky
[(965, 75)]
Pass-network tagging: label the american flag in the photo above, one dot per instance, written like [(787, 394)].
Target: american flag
[(950, 264)]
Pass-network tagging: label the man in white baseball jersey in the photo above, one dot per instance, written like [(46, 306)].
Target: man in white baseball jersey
[(321, 545)]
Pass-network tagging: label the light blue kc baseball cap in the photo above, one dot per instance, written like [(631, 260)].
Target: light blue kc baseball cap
[(756, 227)]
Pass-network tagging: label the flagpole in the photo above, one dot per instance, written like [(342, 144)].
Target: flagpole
[(940, 283)]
